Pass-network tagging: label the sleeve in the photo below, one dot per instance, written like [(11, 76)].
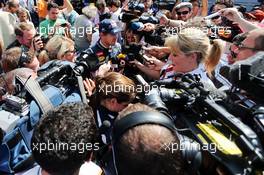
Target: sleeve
[(70, 17)]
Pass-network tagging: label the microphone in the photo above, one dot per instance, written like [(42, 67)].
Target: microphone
[(106, 125)]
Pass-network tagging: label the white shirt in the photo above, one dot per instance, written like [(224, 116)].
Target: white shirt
[(168, 73), (86, 168), (201, 71)]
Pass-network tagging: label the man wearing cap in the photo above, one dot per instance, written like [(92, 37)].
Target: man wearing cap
[(184, 11), (107, 46)]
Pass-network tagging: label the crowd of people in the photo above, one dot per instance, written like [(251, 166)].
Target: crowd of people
[(197, 39)]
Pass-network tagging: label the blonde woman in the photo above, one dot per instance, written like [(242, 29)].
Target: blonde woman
[(190, 51), (58, 47)]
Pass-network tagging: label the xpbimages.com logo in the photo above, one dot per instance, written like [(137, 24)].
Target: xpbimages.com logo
[(117, 88), (80, 147), (173, 147)]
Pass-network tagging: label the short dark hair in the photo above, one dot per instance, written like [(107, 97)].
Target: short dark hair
[(11, 3), (115, 3), (52, 5), (71, 123), (140, 152), (21, 27), (227, 3)]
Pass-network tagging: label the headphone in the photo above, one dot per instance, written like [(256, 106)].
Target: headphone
[(191, 154)]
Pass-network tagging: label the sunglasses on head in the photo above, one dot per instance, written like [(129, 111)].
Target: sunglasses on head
[(182, 13)]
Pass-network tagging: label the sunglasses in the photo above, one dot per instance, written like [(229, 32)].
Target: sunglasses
[(183, 13)]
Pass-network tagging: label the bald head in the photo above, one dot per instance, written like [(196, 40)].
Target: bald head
[(141, 149), (249, 46), (258, 36)]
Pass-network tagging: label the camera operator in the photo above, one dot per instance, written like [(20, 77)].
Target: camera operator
[(56, 129), (25, 35), (140, 150), (112, 93), (17, 57), (107, 46), (190, 52)]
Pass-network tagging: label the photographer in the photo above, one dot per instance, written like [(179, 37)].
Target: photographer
[(190, 52), (25, 35), (17, 57), (140, 150), (112, 93)]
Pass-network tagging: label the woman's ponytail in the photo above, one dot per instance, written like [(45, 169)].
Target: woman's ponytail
[(214, 55)]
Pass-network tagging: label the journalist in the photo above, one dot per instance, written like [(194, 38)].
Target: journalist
[(189, 52), (111, 94), (58, 47)]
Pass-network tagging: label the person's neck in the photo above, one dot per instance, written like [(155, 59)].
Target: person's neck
[(104, 44), (188, 68)]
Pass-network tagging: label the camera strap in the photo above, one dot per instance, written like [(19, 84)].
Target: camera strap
[(34, 89)]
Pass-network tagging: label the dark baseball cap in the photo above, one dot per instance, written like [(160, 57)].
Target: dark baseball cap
[(109, 26)]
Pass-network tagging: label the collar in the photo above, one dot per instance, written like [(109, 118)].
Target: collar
[(105, 112), (200, 69), (102, 45)]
